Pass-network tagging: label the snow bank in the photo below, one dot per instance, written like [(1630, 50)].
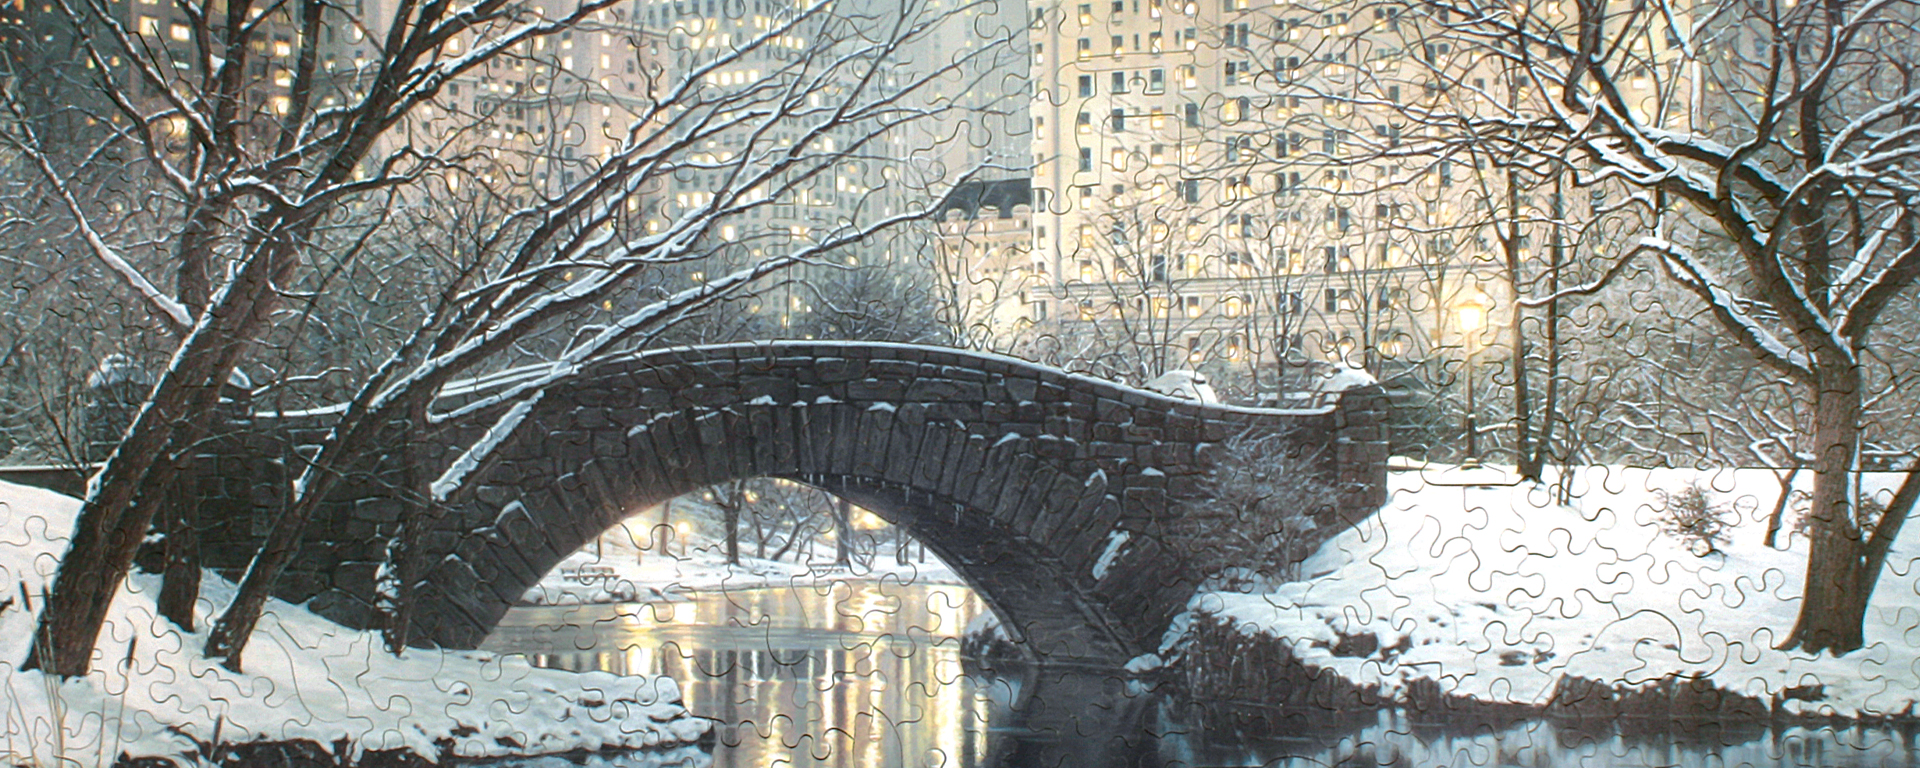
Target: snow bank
[(151, 693), (626, 575), (1499, 592)]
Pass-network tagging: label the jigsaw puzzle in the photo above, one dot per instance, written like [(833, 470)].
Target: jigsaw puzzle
[(968, 383)]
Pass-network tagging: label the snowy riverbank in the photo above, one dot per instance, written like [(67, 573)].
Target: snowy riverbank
[(623, 575), (151, 694), (1496, 593)]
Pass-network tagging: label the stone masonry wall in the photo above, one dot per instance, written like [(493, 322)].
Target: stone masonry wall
[(1043, 488)]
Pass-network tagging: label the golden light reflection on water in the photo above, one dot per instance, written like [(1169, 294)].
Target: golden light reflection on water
[(843, 674)]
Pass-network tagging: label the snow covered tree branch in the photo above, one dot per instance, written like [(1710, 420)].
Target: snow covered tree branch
[(361, 211)]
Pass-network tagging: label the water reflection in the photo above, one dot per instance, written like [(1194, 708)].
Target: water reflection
[(852, 674), (1393, 739), (870, 674)]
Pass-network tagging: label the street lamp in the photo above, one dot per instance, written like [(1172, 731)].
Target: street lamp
[(1473, 317)]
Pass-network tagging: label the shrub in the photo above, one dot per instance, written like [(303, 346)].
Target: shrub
[(1688, 515), (1259, 510), (1867, 509)]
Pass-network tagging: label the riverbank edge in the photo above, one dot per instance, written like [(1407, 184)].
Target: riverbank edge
[(306, 753), (1219, 663)]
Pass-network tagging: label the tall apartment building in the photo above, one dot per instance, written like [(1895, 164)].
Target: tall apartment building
[(994, 293), (1215, 187)]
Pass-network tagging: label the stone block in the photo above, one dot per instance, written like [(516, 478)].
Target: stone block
[(846, 440), (1013, 477), (1023, 510), (893, 370), (591, 417), (609, 444), (867, 455), (708, 396), (779, 389), (1050, 446), (783, 446), (962, 413), (1067, 427), (378, 509), (964, 454), (298, 585), (357, 578), (963, 373), (348, 609), (839, 369), (904, 454), (931, 390), (931, 462), (1021, 389), (881, 390)]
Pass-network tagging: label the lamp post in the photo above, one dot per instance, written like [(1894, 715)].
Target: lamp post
[(1473, 317)]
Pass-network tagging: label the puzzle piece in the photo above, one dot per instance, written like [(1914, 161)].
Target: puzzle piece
[(929, 383)]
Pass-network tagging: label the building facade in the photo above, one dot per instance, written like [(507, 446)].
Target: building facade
[(1225, 185)]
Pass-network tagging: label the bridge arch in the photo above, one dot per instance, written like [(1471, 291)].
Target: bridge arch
[(1039, 486)]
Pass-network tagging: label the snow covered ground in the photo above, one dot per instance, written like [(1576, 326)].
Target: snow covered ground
[(151, 692), (1501, 592), (620, 574)]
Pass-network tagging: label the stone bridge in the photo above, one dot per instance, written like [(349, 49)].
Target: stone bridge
[(1044, 489)]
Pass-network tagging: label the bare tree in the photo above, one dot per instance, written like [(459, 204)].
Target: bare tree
[(280, 161), (1770, 144)]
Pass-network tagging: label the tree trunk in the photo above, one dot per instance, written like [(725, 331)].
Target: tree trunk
[(1780, 506), (1833, 610), (842, 532), (119, 511), (1526, 458), (404, 566), (180, 576), (730, 520), (347, 446)]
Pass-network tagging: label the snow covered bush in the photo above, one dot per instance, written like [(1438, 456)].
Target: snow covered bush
[(1689, 516), (1867, 509), (1258, 510)]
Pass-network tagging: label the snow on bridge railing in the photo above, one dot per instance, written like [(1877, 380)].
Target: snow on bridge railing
[(481, 385)]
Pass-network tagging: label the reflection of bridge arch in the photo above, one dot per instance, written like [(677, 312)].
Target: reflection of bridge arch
[(1040, 487)]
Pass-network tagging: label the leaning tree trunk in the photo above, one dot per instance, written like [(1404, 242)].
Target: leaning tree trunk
[(1833, 610), (351, 443), (405, 565), (119, 511)]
